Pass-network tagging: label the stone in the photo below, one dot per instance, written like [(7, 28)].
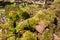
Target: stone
[(56, 37)]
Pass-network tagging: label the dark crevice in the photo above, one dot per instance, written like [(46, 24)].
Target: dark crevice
[(55, 21), (26, 15), (14, 24), (31, 29), (18, 35), (37, 38)]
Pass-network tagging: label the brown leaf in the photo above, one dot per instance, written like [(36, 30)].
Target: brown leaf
[(40, 27)]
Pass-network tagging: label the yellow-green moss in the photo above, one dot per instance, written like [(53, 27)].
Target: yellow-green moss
[(29, 36), (47, 35), (41, 15)]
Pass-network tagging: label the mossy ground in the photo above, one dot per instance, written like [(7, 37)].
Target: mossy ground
[(21, 21)]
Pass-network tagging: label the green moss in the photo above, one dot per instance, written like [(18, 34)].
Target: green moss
[(57, 12), (52, 27), (11, 12), (41, 15), (11, 38), (47, 35), (56, 1), (29, 36), (56, 4), (8, 25)]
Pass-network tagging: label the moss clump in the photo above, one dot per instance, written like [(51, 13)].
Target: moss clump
[(11, 38), (8, 25), (29, 36), (46, 16), (47, 35), (57, 12), (11, 12), (56, 4)]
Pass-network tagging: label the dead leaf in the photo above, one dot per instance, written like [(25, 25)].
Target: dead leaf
[(40, 27)]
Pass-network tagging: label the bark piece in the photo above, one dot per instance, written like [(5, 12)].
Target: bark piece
[(40, 27)]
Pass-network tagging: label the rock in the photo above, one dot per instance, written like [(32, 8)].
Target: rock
[(56, 37)]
